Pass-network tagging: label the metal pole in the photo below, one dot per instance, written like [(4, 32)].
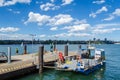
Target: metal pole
[(32, 40), (40, 58), (9, 54)]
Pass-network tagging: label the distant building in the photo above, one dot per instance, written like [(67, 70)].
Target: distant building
[(94, 39), (105, 39)]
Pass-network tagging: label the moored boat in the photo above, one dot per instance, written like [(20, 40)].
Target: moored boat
[(83, 61)]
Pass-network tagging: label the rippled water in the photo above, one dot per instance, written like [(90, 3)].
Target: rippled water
[(110, 72)]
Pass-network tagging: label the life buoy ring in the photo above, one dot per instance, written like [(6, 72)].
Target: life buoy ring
[(79, 58), (61, 56)]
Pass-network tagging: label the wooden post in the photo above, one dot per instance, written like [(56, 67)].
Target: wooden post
[(9, 54), (79, 47), (66, 50), (40, 58), (25, 49)]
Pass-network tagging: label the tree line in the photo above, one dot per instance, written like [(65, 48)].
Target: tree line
[(56, 42)]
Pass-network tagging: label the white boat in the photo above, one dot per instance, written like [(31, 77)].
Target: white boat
[(116, 43), (83, 62), (91, 47)]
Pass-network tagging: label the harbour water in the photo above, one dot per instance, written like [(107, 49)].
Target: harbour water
[(110, 72)]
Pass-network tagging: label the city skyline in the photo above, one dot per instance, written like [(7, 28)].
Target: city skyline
[(59, 19)]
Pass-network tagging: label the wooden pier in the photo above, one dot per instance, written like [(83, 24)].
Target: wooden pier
[(22, 64)]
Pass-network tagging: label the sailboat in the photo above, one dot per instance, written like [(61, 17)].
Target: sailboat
[(22, 44)]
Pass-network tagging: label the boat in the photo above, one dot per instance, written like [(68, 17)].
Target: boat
[(117, 43), (90, 46), (82, 62)]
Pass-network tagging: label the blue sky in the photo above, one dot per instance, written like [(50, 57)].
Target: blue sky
[(60, 19)]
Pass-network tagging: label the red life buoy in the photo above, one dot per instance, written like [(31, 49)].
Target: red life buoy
[(61, 56)]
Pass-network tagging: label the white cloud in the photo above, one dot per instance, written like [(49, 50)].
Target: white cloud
[(83, 21), (71, 34), (116, 12), (38, 18), (61, 19), (78, 34), (66, 2), (74, 28), (103, 31), (8, 29), (15, 12), (98, 26), (59, 35), (16, 36), (72, 25), (12, 2), (42, 35), (106, 28), (49, 6), (99, 1), (113, 15), (52, 6), (103, 9), (53, 28), (92, 15), (52, 1), (1, 2)]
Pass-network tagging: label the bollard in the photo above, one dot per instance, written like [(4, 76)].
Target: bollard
[(9, 54), (40, 58), (25, 49), (66, 50)]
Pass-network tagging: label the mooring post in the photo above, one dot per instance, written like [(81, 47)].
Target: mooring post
[(66, 50), (25, 49), (9, 54), (40, 58), (79, 47)]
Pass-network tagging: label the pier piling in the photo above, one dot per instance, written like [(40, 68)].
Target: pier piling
[(66, 50), (25, 49), (79, 47), (9, 54), (40, 58)]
